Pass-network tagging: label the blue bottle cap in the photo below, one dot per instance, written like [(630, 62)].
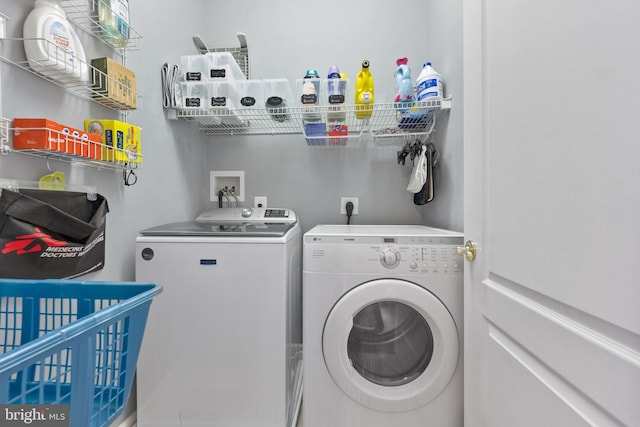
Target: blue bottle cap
[(311, 73)]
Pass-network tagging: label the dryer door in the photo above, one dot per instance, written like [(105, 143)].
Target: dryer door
[(390, 345)]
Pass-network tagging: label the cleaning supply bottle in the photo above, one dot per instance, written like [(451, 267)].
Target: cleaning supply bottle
[(335, 87), (429, 83), (336, 90), (364, 92), (404, 84), (113, 17), (311, 95), (52, 46)]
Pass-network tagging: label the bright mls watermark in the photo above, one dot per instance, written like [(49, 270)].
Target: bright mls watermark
[(34, 415)]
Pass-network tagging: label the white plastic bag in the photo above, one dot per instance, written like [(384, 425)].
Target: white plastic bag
[(419, 172)]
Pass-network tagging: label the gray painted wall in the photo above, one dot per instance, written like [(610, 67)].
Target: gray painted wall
[(285, 38), (311, 180)]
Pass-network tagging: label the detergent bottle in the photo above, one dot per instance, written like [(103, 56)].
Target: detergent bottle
[(335, 87), (429, 86), (52, 46), (310, 96), (364, 92), (336, 91), (429, 83), (404, 84)]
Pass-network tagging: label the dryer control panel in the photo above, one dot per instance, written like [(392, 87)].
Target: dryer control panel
[(442, 259)]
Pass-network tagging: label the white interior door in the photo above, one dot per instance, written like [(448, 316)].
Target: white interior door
[(552, 198)]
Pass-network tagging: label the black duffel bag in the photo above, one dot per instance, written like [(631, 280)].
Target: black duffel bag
[(50, 234)]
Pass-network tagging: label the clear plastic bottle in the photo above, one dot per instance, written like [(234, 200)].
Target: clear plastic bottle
[(113, 17), (335, 88), (336, 91), (364, 92), (52, 46)]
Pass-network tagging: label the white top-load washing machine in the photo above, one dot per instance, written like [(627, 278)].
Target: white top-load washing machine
[(222, 346), (382, 326)]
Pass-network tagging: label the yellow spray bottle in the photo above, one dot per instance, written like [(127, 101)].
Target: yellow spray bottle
[(364, 92)]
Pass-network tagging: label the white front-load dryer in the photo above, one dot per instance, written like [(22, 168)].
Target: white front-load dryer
[(382, 326)]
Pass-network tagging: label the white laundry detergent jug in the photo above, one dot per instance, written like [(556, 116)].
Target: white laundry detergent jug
[(429, 83), (52, 46)]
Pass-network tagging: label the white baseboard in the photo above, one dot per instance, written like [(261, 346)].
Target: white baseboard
[(130, 421)]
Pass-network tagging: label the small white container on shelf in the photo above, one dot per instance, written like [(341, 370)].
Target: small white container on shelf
[(223, 66), (250, 94), (213, 66), (195, 95), (277, 98), (222, 95), (194, 67), (337, 90), (223, 98), (311, 95)]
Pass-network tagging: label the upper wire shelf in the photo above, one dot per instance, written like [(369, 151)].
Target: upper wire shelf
[(84, 14), (79, 77), (319, 124)]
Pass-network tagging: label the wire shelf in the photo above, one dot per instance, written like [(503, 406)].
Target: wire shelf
[(84, 14), (320, 123), (81, 79), (4, 136), (68, 148), (78, 77)]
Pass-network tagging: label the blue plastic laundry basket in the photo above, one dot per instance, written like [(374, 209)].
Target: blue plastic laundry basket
[(72, 342)]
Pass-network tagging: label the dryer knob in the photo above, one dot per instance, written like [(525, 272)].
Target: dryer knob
[(389, 258), (247, 212)]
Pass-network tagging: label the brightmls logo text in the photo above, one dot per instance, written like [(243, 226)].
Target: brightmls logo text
[(34, 415)]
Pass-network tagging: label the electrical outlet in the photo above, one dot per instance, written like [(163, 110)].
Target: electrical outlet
[(260, 201), (343, 202)]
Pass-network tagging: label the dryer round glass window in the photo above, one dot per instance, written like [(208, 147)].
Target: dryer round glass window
[(390, 343)]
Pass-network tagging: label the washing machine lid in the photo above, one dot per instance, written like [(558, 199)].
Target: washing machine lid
[(390, 345), (204, 229), (231, 222)]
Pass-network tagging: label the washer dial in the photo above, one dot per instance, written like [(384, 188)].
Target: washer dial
[(390, 258)]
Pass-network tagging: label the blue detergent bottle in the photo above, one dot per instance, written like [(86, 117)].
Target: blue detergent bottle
[(404, 86), (404, 100)]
